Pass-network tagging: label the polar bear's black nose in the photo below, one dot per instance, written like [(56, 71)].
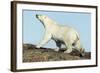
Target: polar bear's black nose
[(37, 15)]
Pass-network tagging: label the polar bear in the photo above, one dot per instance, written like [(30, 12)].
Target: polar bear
[(61, 34)]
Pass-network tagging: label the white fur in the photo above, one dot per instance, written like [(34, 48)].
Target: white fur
[(65, 34)]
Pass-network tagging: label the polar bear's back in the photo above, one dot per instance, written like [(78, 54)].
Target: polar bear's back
[(63, 32)]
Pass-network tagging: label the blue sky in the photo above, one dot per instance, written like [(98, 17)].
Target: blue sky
[(33, 30)]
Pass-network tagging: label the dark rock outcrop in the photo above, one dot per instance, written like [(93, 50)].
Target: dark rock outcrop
[(33, 54)]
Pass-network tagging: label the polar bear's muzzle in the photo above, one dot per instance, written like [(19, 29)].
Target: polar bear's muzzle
[(39, 17)]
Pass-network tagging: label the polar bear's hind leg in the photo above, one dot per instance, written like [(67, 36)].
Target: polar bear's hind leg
[(80, 48)]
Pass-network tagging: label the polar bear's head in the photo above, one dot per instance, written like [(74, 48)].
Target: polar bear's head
[(42, 18)]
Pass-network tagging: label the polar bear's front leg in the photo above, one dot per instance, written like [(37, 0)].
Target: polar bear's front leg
[(69, 48), (46, 38)]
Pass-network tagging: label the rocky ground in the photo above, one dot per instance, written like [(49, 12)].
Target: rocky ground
[(33, 54)]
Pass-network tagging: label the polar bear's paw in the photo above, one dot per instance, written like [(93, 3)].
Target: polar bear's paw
[(57, 49), (37, 46), (68, 51)]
